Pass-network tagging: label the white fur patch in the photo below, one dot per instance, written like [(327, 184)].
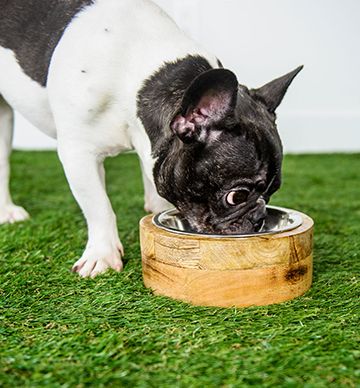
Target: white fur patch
[(94, 91), (24, 94)]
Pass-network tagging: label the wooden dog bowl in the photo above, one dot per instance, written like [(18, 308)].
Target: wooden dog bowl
[(268, 267)]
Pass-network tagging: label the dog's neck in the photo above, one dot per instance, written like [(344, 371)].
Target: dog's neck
[(161, 95)]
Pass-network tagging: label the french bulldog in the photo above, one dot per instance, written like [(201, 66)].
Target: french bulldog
[(105, 76)]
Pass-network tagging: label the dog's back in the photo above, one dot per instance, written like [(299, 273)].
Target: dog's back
[(32, 29)]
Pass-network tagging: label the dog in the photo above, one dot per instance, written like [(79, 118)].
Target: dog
[(105, 76)]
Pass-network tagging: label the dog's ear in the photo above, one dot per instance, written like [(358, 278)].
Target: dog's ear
[(209, 98), (272, 93)]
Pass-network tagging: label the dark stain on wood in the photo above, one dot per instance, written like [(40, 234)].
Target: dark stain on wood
[(294, 275)]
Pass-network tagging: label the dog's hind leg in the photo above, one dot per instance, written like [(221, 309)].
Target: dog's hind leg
[(9, 213)]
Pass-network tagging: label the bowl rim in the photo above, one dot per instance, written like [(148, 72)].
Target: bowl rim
[(294, 214)]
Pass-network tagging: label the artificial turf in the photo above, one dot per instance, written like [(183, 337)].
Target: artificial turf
[(60, 331)]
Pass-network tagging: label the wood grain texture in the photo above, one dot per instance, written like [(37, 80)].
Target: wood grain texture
[(227, 271)]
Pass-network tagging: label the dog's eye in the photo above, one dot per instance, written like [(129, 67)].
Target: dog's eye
[(238, 197)]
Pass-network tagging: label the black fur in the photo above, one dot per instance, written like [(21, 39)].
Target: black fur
[(33, 28), (162, 95), (239, 151), (272, 93)]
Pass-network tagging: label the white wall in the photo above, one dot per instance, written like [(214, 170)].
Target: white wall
[(263, 39)]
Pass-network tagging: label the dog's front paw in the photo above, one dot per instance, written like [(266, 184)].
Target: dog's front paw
[(9, 214), (96, 260)]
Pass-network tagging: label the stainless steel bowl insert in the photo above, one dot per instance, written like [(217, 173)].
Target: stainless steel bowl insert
[(277, 220)]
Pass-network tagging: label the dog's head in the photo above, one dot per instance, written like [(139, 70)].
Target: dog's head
[(225, 160)]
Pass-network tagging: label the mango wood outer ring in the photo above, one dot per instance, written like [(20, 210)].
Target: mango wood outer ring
[(227, 272)]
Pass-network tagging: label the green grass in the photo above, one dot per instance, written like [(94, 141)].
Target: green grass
[(59, 331)]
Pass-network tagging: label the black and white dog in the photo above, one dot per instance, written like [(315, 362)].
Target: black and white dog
[(104, 76)]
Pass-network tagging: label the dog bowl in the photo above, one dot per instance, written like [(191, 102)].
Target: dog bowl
[(277, 220), (271, 266)]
